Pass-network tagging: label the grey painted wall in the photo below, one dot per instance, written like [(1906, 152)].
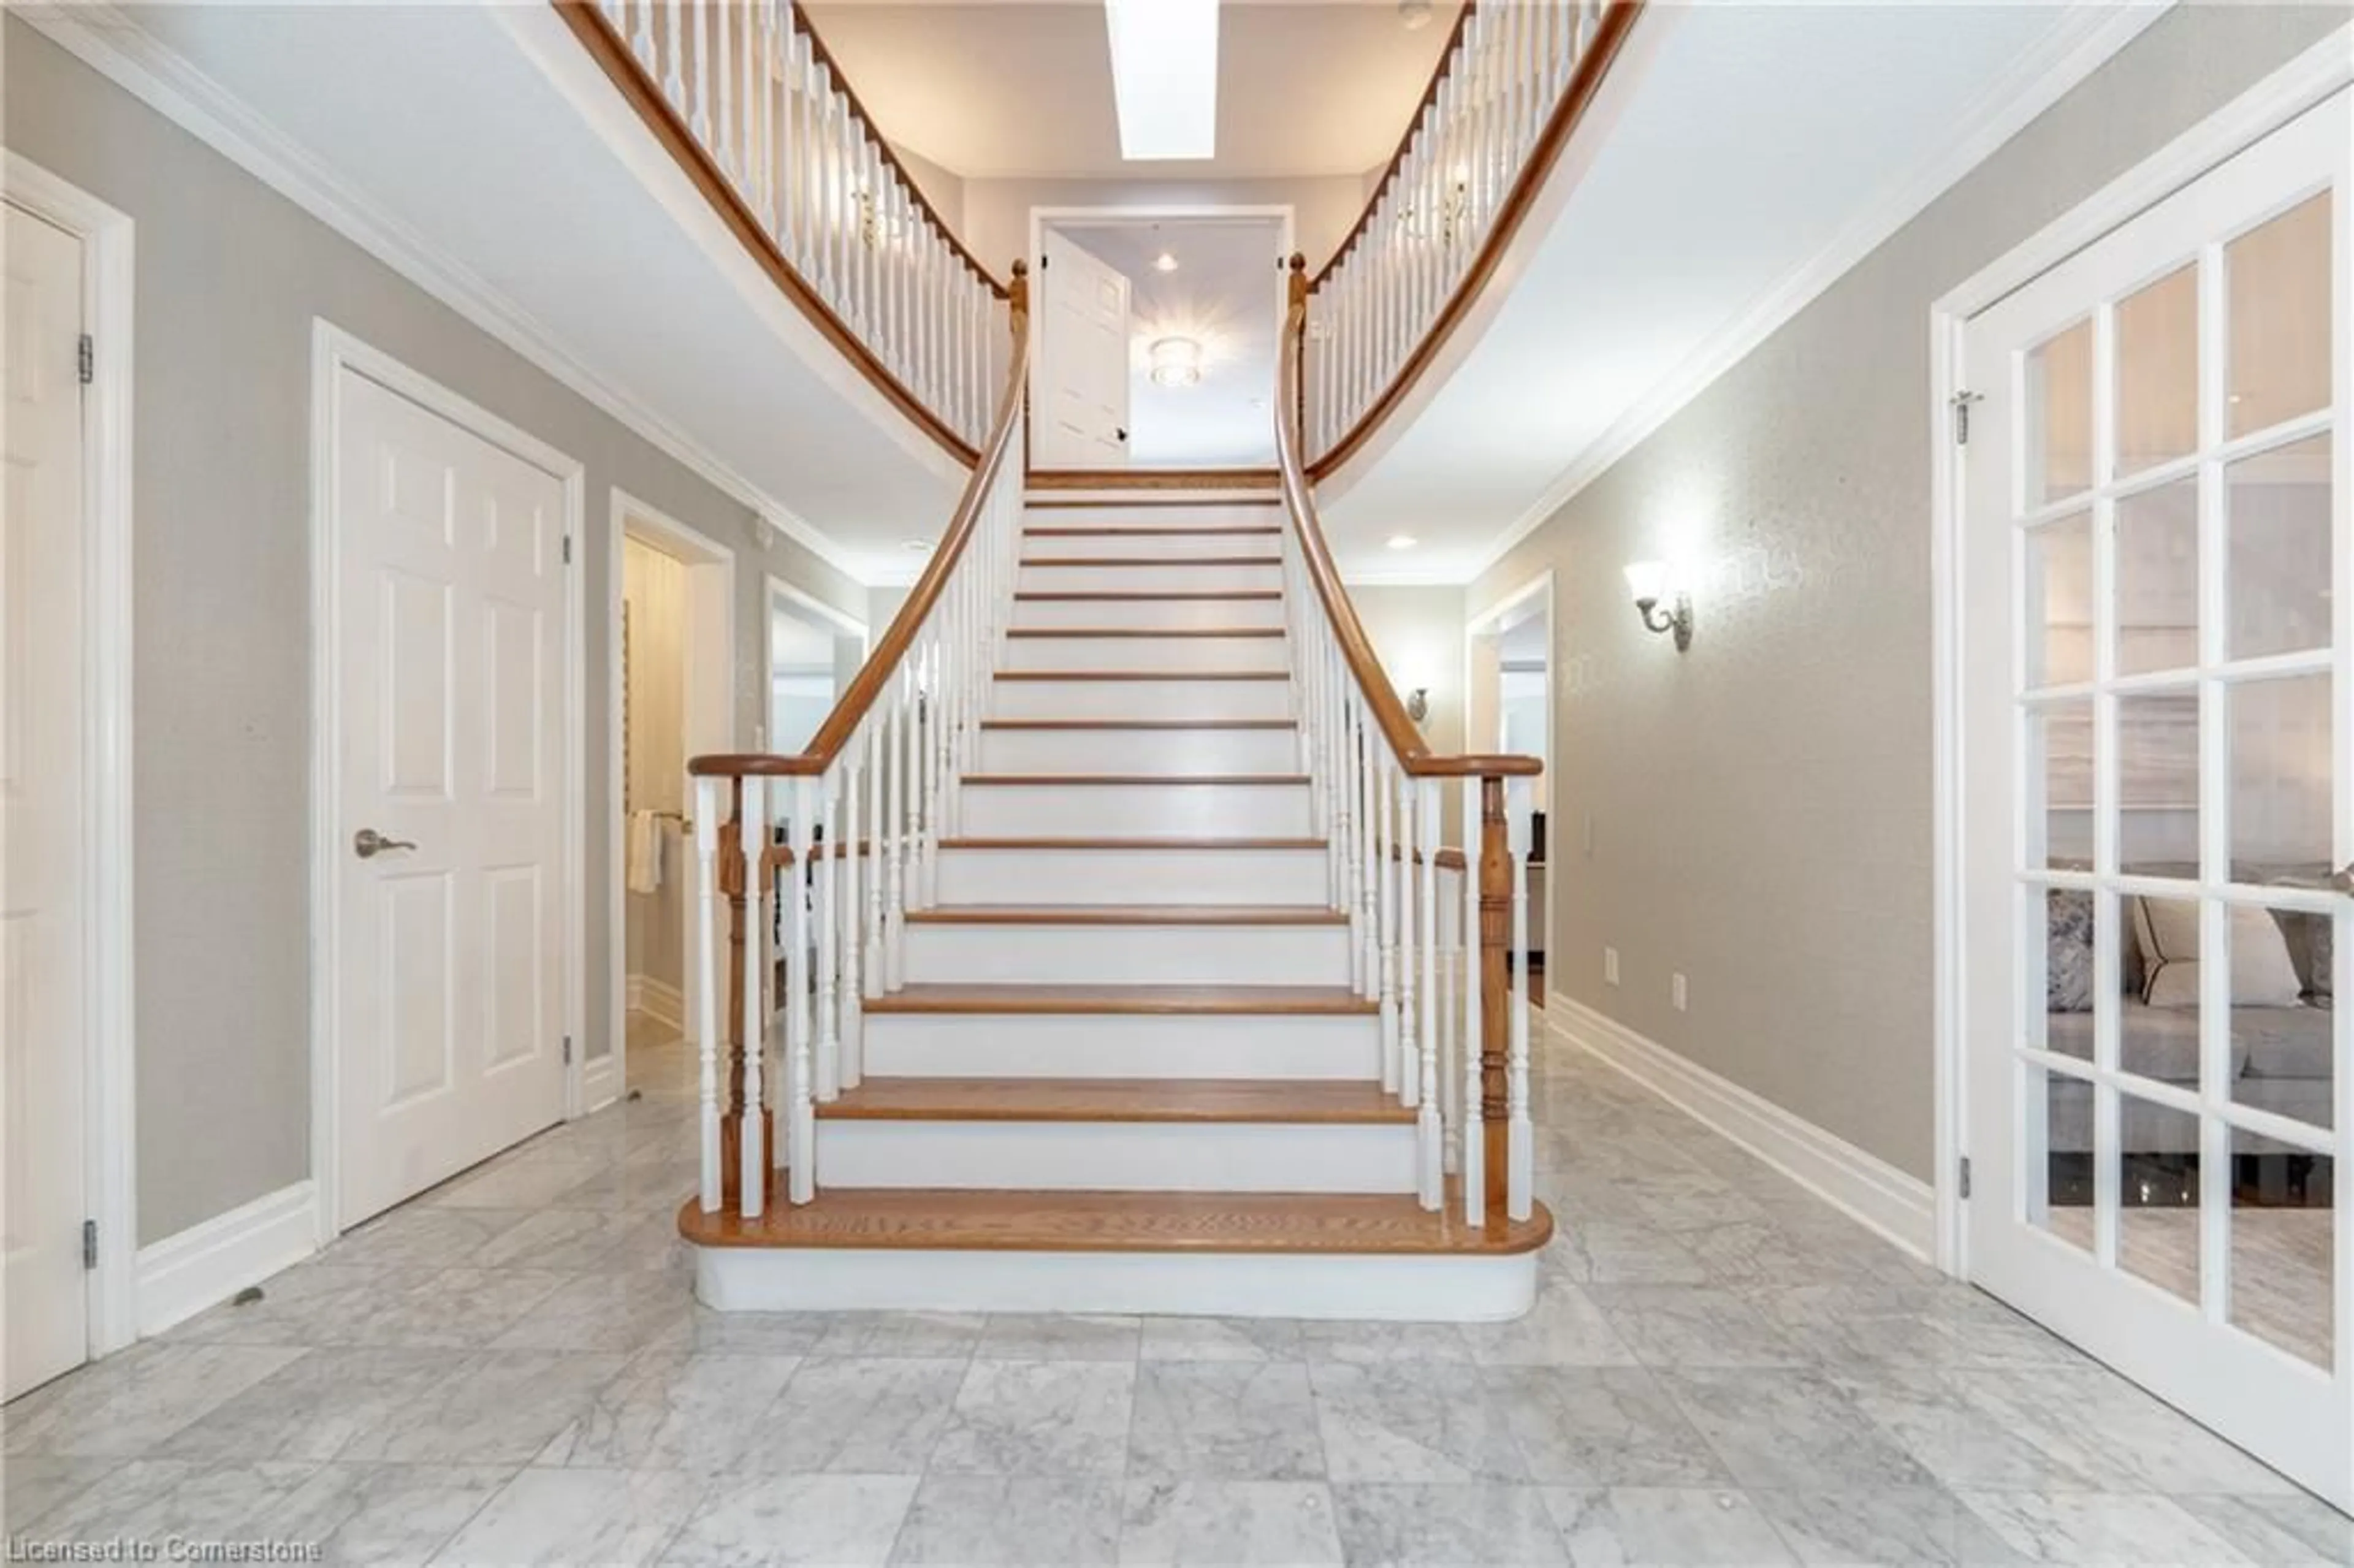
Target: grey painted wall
[(230, 276), (1762, 804)]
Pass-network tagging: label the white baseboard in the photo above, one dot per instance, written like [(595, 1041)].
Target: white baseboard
[(1876, 1194), (206, 1265), (658, 999)]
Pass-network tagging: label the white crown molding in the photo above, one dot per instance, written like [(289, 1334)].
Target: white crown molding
[(1899, 1207), (2086, 37), (102, 36)]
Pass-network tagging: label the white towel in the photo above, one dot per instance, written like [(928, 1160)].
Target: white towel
[(645, 853)]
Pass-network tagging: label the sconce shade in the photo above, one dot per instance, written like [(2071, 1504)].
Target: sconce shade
[(1647, 580)]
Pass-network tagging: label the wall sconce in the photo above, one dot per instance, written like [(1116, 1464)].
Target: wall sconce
[(1418, 703), (1649, 581)]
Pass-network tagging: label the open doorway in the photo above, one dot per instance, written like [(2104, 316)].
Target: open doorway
[(1508, 687), (1157, 335), (676, 696), (814, 652)]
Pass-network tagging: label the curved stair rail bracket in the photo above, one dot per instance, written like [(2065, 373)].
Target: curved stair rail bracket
[(1512, 85), (746, 98), (1379, 794), (860, 815)]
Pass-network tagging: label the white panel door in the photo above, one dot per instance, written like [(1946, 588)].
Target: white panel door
[(1083, 360), (452, 767), (2159, 591), (44, 892)]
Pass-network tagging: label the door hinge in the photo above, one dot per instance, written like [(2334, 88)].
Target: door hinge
[(86, 359), (1966, 1176), (1960, 403), (89, 1244), (568, 549), (568, 1050)]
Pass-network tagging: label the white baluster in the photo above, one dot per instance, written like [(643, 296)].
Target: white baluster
[(1414, 1084), (1450, 1016), (1385, 913), (824, 877), (851, 1026), (1430, 1126), (870, 736), (753, 1173), (1474, 1156), (802, 1138), (642, 42), (674, 72), (894, 887), (1519, 1173), (1369, 880), (711, 990)]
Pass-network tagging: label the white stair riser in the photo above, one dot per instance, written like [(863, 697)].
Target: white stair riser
[(1154, 578), (1122, 1046), (1462, 1289), (1172, 699), (1140, 751), (1214, 512), (1189, 614), (962, 953), (1148, 543), (1136, 810), (1293, 877), (1172, 655), (1120, 1157)]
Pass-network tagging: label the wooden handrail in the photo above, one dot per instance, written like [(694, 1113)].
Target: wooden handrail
[(1618, 18), (1405, 144), (1389, 711), (849, 712)]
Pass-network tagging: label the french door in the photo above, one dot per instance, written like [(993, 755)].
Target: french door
[(2158, 726)]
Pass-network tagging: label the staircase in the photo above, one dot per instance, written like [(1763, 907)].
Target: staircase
[(1121, 966)]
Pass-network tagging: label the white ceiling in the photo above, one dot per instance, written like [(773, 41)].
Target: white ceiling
[(993, 90), (1223, 295), (1741, 149)]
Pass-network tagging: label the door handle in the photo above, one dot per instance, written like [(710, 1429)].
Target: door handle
[(1122, 434), (367, 843)]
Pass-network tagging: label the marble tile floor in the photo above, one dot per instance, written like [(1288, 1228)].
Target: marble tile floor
[(1720, 1370)]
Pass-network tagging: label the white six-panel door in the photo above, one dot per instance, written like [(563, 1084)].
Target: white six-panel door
[(450, 972), (44, 952), (2157, 559), (1082, 360)]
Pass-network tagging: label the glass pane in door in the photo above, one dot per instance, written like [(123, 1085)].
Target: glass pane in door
[(2277, 556), (2158, 580), (2283, 1252), (2059, 417), (2158, 1195), (2278, 293), (2158, 373), (2281, 805)]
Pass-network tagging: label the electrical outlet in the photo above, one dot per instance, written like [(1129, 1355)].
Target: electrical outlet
[(1677, 993), (1610, 966)]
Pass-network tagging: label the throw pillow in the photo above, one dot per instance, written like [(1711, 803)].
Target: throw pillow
[(2262, 974), (2068, 961)]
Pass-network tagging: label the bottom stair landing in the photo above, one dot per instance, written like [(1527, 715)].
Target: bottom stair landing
[(1259, 1255)]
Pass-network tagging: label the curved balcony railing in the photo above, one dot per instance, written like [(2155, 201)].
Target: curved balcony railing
[(752, 106), (1511, 84)]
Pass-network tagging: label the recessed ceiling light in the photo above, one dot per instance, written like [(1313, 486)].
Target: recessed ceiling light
[(1164, 262), (1401, 541), (1164, 77)]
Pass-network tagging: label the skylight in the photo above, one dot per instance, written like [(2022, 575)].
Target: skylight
[(1164, 77)]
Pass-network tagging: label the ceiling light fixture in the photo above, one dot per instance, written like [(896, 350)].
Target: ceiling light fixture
[(1403, 540), (1164, 262), (1164, 77), (1176, 361)]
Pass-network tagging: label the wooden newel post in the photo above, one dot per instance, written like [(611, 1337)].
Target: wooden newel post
[(1299, 298), (731, 1118), (1017, 293), (1495, 996)]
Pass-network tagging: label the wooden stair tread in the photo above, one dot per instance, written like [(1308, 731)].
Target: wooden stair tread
[(919, 1219), (1130, 596), (1151, 560), (1137, 724), (1001, 997), (1144, 675), (1126, 915), (1074, 504), (1151, 779), (1051, 632), (1035, 843), (1157, 531), (1262, 1100)]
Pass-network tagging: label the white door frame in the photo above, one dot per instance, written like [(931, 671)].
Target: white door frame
[(2264, 107), (1042, 217), (711, 575), (109, 1131), (334, 351), (1476, 626)]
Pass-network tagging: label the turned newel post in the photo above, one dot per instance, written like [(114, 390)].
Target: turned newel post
[(731, 1120), (1298, 295), (1017, 295), (1495, 996)]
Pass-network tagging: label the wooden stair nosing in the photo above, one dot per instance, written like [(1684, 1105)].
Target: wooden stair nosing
[(1126, 915), (1248, 1224), (1072, 504), (1264, 1101), (1016, 997), (1013, 998), (1143, 631), (1143, 675), (1158, 531), (1132, 597), (1149, 781), (1140, 561), (1067, 723)]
